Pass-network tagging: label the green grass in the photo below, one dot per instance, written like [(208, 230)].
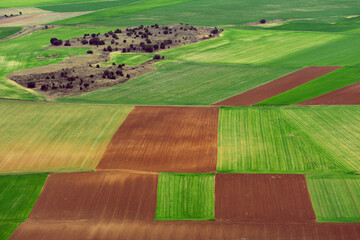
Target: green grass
[(219, 12), (267, 140), (183, 196), (18, 195), (21, 53), (44, 137), (34, 3), (132, 59), (335, 198), (8, 31), (330, 82), (87, 6), (7, 228), (335, 127), (184, 84)]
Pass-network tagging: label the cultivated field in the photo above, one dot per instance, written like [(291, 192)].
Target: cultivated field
[(8, 31), (55, 137), (185, 197), (165, 139)]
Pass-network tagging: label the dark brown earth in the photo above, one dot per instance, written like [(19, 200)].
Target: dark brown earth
[(262, 198), (186, 231), (276, 87), (100, 196), (165, 139), (349, 95)]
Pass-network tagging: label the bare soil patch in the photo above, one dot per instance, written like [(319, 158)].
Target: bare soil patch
[(101, 196), (191, 230), (349, 95), (166, 139), (262, 198), (277, 86)]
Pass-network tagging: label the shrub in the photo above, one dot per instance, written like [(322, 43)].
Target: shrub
[(31, 85), (156, 47), (124, 50), (44, 88), (215, 31), (148, 41), (148, 48), (166, 32), (128, 75), (113, 64), (93, 35), (162, 45), (105, 50), (89, 52), (109, 48), (56, 42), (91, 76), (67, 43), (84, 41), (156, 57), (118, 31), (262, 21), (97, 66), (124, 41)]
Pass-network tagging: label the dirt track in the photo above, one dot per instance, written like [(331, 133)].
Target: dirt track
[(349, 95), (276, 87), (100, 196), (186, 231), (165, 139), (262, 198)]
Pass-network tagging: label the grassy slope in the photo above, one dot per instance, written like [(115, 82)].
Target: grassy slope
[(8, 31), (325, 84), (185, 197), (335, 198), (21, 53), (265, 140), (335, 127), (18, 196), (185, 84), (34, 3), (87, 6), (220, 12), (132, 59), (42, 137)]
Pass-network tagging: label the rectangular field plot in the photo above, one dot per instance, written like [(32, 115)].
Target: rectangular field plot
[(99, 196), (18, 195), (335, 198), (336, 127), (185, 197), (264, 140), (166, 139), (41, 137), (262, 198)]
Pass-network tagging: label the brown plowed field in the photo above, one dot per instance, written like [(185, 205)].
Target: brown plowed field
[(103, 196), (262, 198), (276, 87), (349, 95), (165, 139), (186, 231)]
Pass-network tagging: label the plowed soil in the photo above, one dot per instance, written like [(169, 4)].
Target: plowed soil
[(276, 87), (186, 231), (101, 196), (165, 139), (349, 95), (262, 198)]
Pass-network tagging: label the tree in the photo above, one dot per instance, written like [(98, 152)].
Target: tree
[(94, 41), (31, 85), (109, 48), (262, 21), (44, 88), (89, 52), (84, 41), (162, 45), (148, 48), (67, 43), (156, 57), (20, 13), (128, 75)]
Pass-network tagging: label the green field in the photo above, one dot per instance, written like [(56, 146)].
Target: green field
[(35, 3), (184, 84), (185, 196), (335, 127), (330, 82), (132, 59), (7, 228), (8, 31), (335, 198), (21, 53), (87, 6), (228, 13), (268, 140), (43, 137)]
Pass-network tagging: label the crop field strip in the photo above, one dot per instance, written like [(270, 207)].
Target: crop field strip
[(182, 83), (99, 196), (17, 197), (166, 139), (277, 86), (262, 198), (267, 140), (185, 196), (326, 84), (335, 198), (180, 230), (44, 137), (8, 31), (349, 95)]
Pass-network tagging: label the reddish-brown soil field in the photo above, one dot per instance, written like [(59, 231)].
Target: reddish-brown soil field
[(165, 139), (186, 231), (349, 95), (276, 87), (263, 198), (102, 196)]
